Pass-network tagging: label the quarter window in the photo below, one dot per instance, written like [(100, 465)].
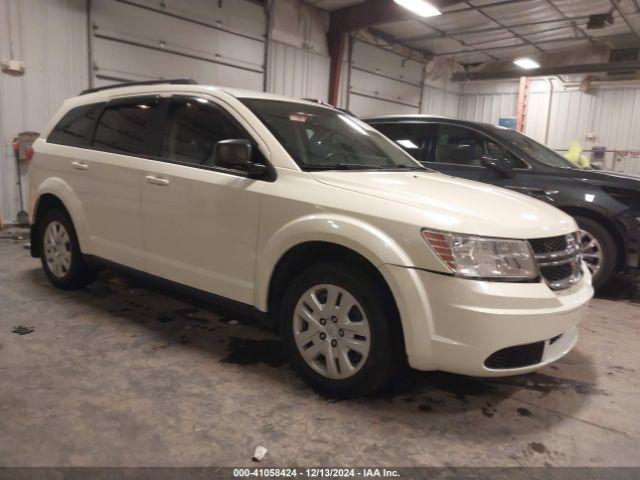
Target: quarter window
[(193, 128), (126, 127), (73, 128)]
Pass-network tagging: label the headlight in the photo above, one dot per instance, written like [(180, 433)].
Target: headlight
[(481, 257)]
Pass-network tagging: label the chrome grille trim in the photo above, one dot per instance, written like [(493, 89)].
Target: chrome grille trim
[(569, 256)]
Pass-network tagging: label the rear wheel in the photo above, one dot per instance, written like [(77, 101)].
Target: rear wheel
[(341, 330), (598, 250), (62, 260)]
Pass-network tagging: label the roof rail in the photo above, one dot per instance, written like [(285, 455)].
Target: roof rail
[(173, 81)]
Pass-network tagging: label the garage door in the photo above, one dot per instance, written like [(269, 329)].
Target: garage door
[(218, 42), (383, 82)]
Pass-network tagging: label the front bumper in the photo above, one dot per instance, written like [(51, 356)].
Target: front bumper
[(455, 325)]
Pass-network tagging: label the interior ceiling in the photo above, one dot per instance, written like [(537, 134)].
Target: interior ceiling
[(479, 31)]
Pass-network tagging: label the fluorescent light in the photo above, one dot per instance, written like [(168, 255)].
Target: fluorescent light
[(420, 7), (526, 63)]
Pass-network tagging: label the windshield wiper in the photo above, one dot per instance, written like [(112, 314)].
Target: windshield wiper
[(343, 166), (412, 167)]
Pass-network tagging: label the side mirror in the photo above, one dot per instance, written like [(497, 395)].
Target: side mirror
[(500, 165), (237, 154)]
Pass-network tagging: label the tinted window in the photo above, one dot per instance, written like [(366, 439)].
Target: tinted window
[(532, 148), (126, 127), (193, 128), (417, 139), (459, 145), (75, 125)]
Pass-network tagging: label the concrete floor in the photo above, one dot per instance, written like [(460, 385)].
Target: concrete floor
[(124, 374)]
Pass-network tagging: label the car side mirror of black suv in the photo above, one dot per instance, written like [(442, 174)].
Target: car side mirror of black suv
[(500, 165), (237, 154)]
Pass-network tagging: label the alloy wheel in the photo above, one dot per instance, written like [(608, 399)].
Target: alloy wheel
[(591, 251), (331, 331), (57, 249)]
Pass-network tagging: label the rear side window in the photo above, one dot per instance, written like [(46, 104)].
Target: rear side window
[(72, 130), (126, 127), (459, 145), (417, 139), (194, 126)]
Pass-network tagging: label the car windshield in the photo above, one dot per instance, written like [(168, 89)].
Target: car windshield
[(320, 138), (533, 148)]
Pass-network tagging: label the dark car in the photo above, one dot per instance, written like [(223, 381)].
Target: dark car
[(605, 205)]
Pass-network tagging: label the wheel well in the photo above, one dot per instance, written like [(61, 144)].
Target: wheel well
[(298, 258), (607, 224), (46, 203)]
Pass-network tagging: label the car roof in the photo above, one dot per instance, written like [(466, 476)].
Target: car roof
[(104, 95), (424, 117)]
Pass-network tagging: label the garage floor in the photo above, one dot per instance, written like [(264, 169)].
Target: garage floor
[(126, 374)]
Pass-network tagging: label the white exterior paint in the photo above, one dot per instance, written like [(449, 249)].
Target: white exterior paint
[(449, 323)]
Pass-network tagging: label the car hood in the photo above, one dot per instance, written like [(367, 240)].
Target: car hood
[(456, 205), (605, 179)]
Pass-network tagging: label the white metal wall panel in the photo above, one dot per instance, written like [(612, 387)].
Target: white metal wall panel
[(219, 43), (50, 36), (383, 79), (297, 73), (488, 108), (437, 101)]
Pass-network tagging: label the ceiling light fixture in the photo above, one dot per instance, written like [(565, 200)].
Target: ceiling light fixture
[(526, 63), (419, 7)]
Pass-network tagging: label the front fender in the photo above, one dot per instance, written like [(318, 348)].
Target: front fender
[(357, 235), (60, 189)]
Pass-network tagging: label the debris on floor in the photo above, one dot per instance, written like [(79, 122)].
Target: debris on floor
[(259, 453), (160, 346), (22, 330)]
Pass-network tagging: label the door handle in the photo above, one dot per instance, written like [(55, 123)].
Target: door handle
[(79, 165), (163, 182)]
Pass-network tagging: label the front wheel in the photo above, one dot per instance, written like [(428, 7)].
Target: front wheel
[(62, 260), (341, 329), (598, 250)]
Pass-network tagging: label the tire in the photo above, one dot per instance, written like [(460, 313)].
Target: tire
[(62, 261), (600, 256), (373, 320)]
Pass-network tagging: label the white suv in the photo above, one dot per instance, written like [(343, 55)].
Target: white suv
[(308, 218)]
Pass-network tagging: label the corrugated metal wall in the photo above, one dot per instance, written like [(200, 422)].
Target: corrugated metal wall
[(488, 101), (296, 72), (298, 61), (611, 114), (50, 36)]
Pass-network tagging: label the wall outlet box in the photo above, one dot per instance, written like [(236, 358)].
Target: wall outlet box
[(13, 66)]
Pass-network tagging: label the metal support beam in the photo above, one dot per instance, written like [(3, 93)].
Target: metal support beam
[(509, 29), (523, 98), (632, 27), (432, 36), (547, 71), (507, 47)]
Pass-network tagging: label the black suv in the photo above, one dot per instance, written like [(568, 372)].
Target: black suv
[(605, 205)]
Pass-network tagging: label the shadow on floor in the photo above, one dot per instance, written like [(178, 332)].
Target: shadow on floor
[(621, 287), (122, 298)]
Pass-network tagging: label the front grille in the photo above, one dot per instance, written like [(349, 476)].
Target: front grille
[(516, 357), (558, 260), (557, 273), (549, 245)]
